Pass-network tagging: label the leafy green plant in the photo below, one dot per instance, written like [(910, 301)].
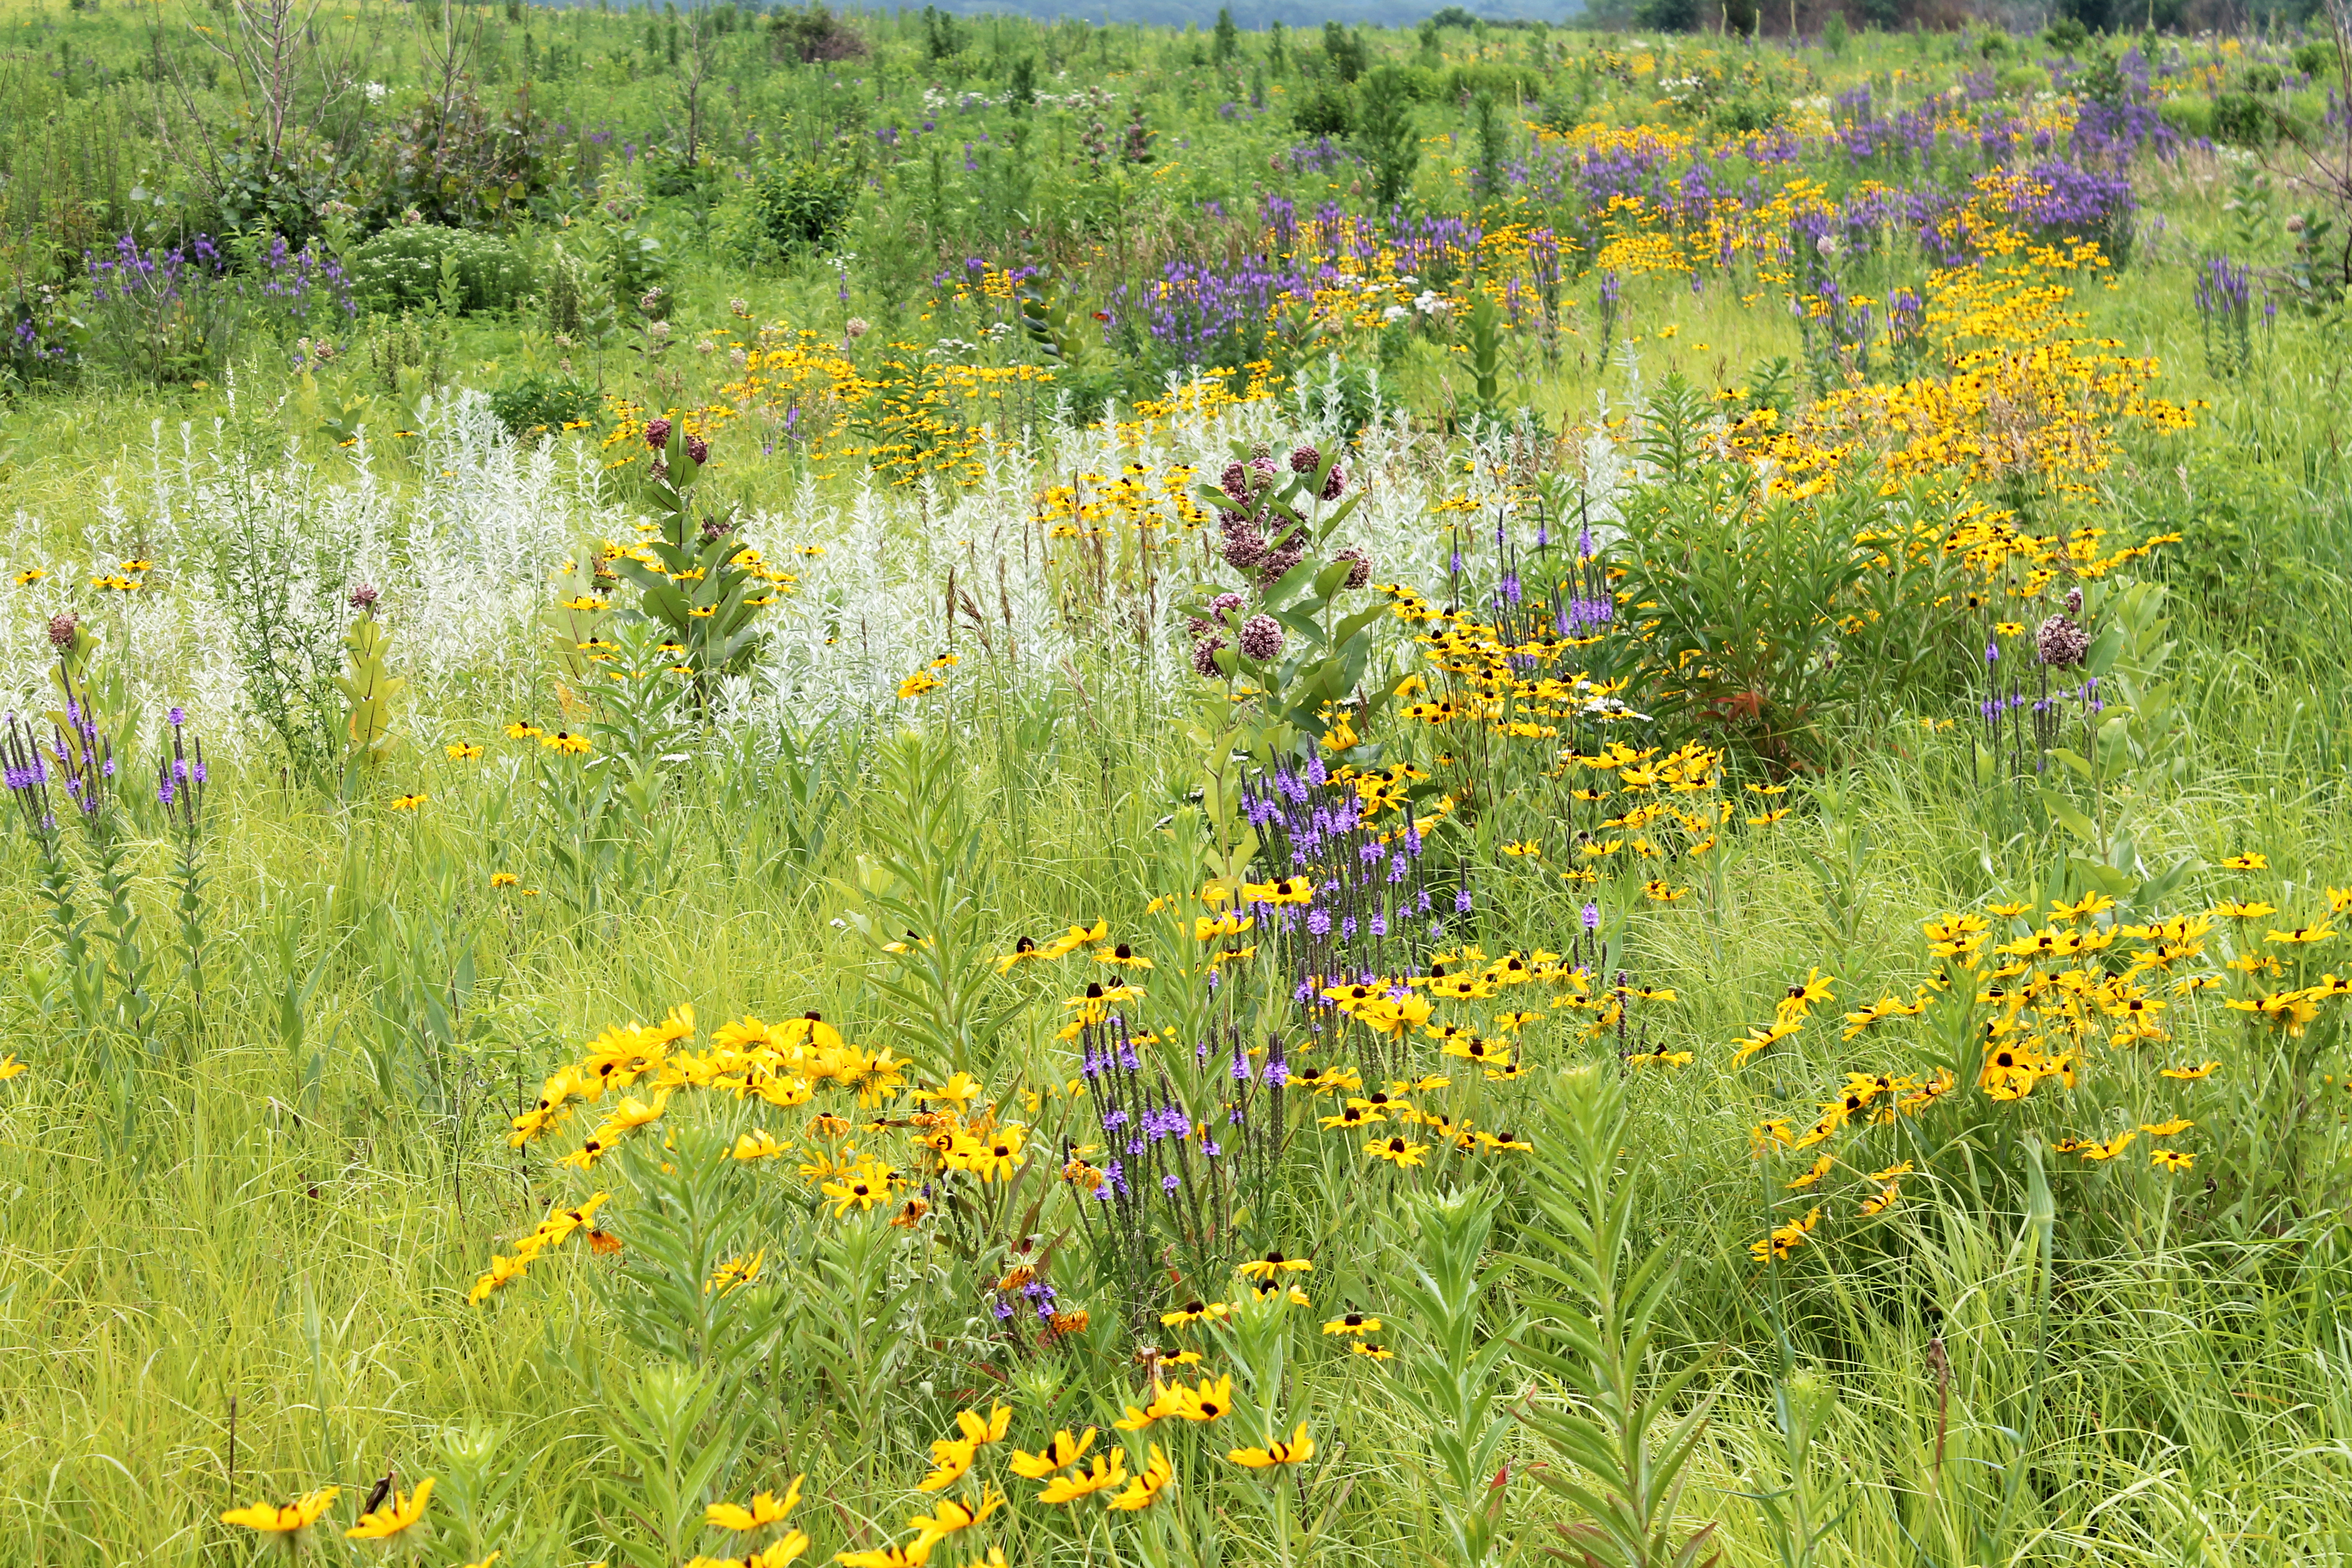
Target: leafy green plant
[(1622, 1430), (1739, 593), (917, 907), (693, 577), (404, 268), (538, 404), (1452, 1376), (368, 687)]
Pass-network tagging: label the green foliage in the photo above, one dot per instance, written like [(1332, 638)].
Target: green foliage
[(801, 207), (1454, 1380), (538, 404), (1742, 588), (1328, 109), (698, 583), (425, 266), (2243, 119), (1596, 1307), (368, 687), (1386, 133)]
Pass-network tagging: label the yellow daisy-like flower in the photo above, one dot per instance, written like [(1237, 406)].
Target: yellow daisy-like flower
[(1108, 1471), (1146, 1489), (565, 743), (464, 750), (1298, 1448), (283, 1518), (10, 1067), (410, 802), (400, 1518)]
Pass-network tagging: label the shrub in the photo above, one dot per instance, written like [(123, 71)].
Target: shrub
[(406, 267), (802, 206), (1328, 110), (2067, 35), (2242, 120), (538, 404), (1666, 15), (812, 34), (2314, 58)]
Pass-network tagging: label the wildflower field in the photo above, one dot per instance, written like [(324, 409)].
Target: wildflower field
[(919, 787)]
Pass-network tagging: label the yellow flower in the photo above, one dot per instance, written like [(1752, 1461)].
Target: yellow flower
[(2171, 1160), (464, 752), (566, 743), (1299, 1448), (503, 879), (2253, 860), (518, 731), (1109, 1470), (917, 684), (764, 1509), (1353, 1323), (1058, 1454), (952, 1515), (283, 1518), (735, 1271), (951, 1459), (907, 1556), (2202, 1069), (10, 1067), (1145, 1490), (410, 802), (395, 1520)]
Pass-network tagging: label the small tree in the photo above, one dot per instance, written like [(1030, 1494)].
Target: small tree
[(1386, 133)]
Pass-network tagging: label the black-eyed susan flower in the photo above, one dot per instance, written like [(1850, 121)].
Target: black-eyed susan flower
[(409, 802), (463, 751), (1398, 1152), (1108, 1471), (1297, 1448), (2251, 860), (520, 731), (733, 1273), (285, 1519), (1060, 1454), (952, 1516), (10, 1067), (398, 1517), (1355, 1323), (1156, 1477), (1275, 1263), (1371, 1352), (2171, 1160)]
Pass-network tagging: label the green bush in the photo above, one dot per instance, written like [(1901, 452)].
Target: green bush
[(538, 403), (1329, 109), (2066, 34), (802, 206), (2242, 120), (406, 268), (2316, 57)]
